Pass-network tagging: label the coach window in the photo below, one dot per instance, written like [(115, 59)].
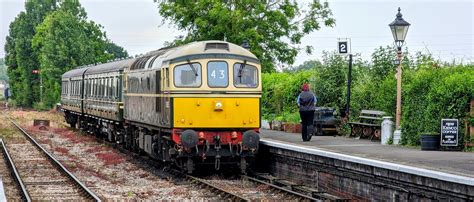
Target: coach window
[(112, 87), (92, 87), (95, 88), (245, 75), (106, 85), (217, 74), (102, 87), (187, 75), (74, 88), (167, 77)]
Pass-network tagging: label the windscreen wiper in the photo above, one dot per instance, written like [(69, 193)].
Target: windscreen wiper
[(242, 65), (192, 68)]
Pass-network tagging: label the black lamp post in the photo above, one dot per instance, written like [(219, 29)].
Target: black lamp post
[(399, 28)]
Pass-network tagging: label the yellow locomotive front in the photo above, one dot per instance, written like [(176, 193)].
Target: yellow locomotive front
[(215, 98)]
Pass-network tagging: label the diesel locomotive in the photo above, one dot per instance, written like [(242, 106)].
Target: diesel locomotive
[(193, 105)]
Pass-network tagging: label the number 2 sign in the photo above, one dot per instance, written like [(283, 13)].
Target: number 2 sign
[(342, 46)]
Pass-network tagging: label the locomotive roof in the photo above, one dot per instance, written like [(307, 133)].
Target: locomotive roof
[(75, 72), (110, 66), (169, 55), (213, 47)]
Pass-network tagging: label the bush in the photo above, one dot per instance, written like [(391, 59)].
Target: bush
[(434, 94), (41, 106), (280, 91), (12, 103), (430, 91)]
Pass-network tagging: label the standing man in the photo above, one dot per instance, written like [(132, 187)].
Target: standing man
[(306, 102)]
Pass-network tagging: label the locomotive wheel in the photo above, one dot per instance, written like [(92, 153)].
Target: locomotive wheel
[(357, 130), (377, 133), (367, 131)]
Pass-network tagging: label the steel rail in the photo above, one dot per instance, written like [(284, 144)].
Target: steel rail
[(63, 169), (227, 194), (285, 190), (180, 174), (14, 172)]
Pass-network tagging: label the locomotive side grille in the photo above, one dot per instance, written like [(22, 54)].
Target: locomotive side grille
[(140, 63), (222, 46)]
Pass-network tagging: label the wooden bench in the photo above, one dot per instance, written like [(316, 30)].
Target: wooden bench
[(368, 124)]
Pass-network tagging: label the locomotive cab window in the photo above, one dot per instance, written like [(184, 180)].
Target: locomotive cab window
[(217, 74), (245, 75), (187, 75)]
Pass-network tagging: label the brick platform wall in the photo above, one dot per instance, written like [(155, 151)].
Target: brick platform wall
[(357, 181)]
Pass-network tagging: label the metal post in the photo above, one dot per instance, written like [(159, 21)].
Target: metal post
[(349, 80), (399, 89), (41, 88)]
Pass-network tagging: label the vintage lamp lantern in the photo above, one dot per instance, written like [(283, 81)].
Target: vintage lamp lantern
[(399, 29)]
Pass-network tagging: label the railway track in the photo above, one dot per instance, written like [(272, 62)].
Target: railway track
[(43, 176), (229, 189), (13, 185), (275, 191), (282, 190)]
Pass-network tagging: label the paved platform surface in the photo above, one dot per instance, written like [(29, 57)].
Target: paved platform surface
[(458, 163)]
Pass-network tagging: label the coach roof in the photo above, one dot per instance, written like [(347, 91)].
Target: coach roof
[(75, 72), (114, 66)]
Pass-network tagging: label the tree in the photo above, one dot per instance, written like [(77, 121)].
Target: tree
[(273, 28), (3, 70), (307, 65), (64, 40), (20, 56), (115, 50)]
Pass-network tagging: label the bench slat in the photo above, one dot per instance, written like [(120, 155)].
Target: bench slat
[(370, 117), (374, 112), (363, 124)]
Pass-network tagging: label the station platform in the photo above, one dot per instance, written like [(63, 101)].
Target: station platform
[(450, 162)]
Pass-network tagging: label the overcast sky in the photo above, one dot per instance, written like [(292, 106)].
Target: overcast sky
[(442, 27)]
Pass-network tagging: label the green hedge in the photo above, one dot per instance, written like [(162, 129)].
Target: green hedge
[(432, 94), (430, 91), (280, 91)]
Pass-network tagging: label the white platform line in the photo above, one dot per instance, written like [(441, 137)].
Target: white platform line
[(376, 163), (2, 191)]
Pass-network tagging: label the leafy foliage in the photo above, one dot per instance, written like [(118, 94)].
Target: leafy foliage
[(115, 50), (54, 38), (433, 94), (20, 56), (3, 70), (65, 39), (273, 28), (431, 90), (280, 91)]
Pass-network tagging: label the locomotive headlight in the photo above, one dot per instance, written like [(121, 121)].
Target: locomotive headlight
[(218, 106)]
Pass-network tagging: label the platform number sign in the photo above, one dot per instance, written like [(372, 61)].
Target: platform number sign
[(342, 46), (449, 132)]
